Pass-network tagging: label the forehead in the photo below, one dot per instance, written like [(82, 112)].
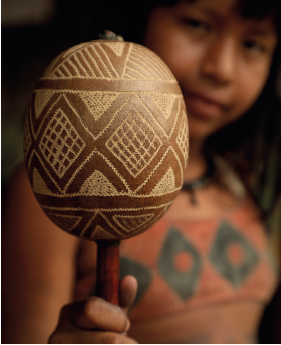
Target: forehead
[(245, 10)]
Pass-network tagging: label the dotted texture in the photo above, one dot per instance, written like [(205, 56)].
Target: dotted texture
[(106, 140)]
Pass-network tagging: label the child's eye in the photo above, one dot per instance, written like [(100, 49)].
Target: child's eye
[(196, 24), (253, 45)]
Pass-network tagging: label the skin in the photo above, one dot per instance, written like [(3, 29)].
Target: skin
[(221, 62)]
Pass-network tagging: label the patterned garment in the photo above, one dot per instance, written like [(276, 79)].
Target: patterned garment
[(181, 265)]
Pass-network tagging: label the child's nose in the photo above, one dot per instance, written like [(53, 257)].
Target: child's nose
[(219, 62)]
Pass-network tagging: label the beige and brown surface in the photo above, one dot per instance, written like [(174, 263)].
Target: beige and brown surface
[(106, 139)]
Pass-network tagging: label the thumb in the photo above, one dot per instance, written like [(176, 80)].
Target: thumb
[(127, 292)]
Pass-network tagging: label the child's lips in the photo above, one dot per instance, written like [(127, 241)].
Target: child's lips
[(204, 106)]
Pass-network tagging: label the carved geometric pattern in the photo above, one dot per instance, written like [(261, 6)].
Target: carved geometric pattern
[(182, 282), (116, 47), (39, 186), (166, 185), (64, 221), (235, 271), (27, 136), (134, 143), (84, 62), (98, 101), (99, 232), (164, 101), (98, 184), (182, 138), (61, 144), (94, 147), (154, 67), (42, 97), (91, 60), (74, 48), (130, 223)]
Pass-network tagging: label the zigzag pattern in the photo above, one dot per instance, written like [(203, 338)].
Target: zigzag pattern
[(106, 155)]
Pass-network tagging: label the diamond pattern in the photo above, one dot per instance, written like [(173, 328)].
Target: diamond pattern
[(227, 237), (183, 283), (60, 143), (134, 143)]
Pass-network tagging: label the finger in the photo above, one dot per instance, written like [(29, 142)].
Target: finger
[(95, 313), (127, 292), (89, 337)]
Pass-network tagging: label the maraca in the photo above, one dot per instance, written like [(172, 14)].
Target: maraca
[(106, 145)]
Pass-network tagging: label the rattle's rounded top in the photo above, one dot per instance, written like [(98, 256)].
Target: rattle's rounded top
[(106, 139)]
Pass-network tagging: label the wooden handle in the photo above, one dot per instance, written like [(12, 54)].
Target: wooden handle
[(108, 271)]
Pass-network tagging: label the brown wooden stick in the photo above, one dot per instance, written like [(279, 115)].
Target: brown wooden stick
[(108, 271)]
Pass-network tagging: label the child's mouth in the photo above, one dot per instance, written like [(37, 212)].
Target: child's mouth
[(203, 106)]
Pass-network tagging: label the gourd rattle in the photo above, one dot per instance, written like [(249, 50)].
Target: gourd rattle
[(106, 145)]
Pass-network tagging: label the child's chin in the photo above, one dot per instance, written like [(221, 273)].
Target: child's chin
[(200, 131)]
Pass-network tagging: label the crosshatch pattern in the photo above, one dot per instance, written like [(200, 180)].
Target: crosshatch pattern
[(134, 143), (61, 144), (106, 140)]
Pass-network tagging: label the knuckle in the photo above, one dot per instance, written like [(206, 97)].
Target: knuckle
[(64, 311), (56, 338), (113, 338), (88, 308), (91, 311), (65, 336)]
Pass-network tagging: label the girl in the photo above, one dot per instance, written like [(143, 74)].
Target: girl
[(203, 271)]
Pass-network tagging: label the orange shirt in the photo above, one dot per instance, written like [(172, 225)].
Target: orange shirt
[(183, 264)]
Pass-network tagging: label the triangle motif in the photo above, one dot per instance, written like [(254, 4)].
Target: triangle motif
[(131, 223), (164, 101), (39, 186), (74, 48), (98, 184), (42, 97), (116, 47), (100, 234), (65, 222), (165, 185), (98, 102)]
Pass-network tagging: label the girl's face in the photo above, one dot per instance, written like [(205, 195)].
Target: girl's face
[(220, 59)]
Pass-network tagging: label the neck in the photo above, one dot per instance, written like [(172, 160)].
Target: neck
[(197, 163)]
